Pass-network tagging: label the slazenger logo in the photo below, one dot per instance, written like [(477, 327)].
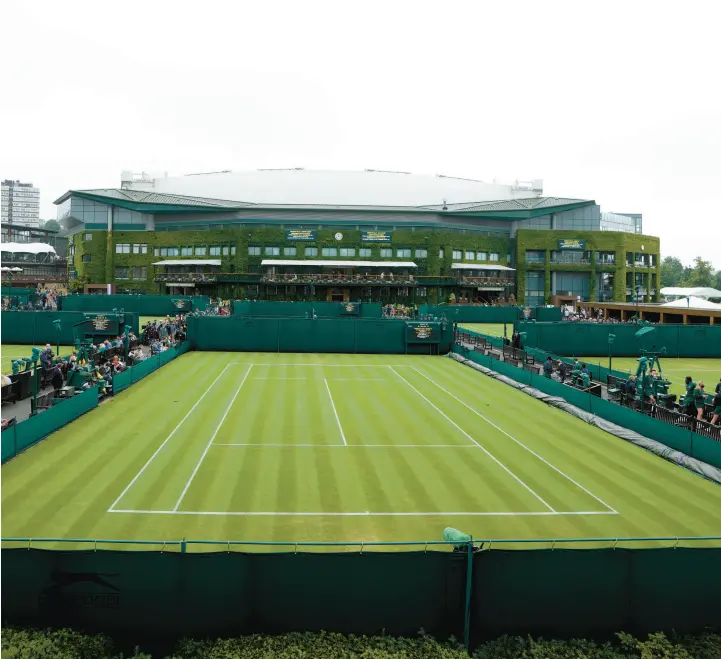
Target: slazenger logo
[(80, 590), (179, 303)]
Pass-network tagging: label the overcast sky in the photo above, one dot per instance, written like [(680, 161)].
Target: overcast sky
[(612, 101)]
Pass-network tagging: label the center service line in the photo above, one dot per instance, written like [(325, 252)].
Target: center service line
[(345, 443), (488, 453), (205, 452)]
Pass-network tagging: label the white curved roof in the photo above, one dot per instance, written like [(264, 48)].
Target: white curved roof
[(689, 291), (27, 248), (692, 302), (367, 188)]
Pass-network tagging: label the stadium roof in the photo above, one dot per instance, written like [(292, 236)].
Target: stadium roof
[(479, 266), (189, 262), (155, 202), (692, 302), (689, 291), (27, 248)]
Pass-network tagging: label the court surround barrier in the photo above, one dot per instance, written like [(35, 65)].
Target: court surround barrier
[(299, 334), (143, 305), (468, 313), (36, 327), (163, 595), (591, 339), (681, 439), (262, 308), (24, 434)]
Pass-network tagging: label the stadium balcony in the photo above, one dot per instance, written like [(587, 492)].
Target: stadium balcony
[(487, 283)]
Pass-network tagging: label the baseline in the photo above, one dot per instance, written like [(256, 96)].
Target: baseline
[(548, 513)]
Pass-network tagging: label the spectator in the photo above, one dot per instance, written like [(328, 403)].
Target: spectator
[(716, 406), (688, 400), (699, 399), (630, 388), (548, 367), (562, 370), (718, 387)]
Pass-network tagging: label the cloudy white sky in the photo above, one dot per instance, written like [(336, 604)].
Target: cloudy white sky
[(613, 101)]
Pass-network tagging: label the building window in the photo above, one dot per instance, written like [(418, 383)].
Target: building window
[(386, 252), (140, 248), (403, 292), (329, 251), (509, 259), (535, 256), (365, 252), (214, 250), (140, 272), (232, 250), (87, 236), (226, 250), (457, 255), (185, 251), (201, 251), (441, 253), (163, 251), (122, 248), (122, 272), (469, 256), (495, 256), (289, 251), (482, 256), (253, 251), (421, 291), (86, 258), (172, 251), (347, 251), (403, 253), (421, 253), (272, 251), (156, 251), (311, 251)]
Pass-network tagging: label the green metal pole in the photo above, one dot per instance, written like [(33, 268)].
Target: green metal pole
[(469, 583), (34, 406)]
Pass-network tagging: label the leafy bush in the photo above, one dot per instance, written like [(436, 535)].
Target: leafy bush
[(69, 644)]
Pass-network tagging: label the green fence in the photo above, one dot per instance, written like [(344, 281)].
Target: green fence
[(24, 434), (166, 595), (143, 305), (134, 374), (306, 309), (591, 339), (338, 335), (680, 439), (464, 313), (19, 295), (37, 327)]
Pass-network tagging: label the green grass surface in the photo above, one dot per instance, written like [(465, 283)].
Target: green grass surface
[(675, 369), (10, 352), (248, 446), (490, 329)]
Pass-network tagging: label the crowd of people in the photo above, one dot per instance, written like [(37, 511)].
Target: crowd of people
[(46, 300), (583, 315), (400, 311), (694, 401)]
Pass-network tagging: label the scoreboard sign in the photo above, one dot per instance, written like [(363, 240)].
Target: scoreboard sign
[(102, 324), (300, 235), (420, 332), (375, 236), (571, 243)]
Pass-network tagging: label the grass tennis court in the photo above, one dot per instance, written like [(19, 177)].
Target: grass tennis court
[(10, 352), (490, 329), (674, 368), (290, 447)]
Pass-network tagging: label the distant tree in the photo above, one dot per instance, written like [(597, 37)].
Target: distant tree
[(52, 225), (672, 271), (717, 282), (702, 274)]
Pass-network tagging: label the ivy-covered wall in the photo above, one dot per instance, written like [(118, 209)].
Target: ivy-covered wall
[(101, 269), (602, 241)]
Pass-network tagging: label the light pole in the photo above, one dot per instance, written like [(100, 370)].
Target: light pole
[(611, 337)]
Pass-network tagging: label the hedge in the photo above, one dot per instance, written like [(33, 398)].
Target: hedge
[(67, 644)]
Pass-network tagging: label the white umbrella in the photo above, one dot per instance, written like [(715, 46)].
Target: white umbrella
[(15, 269)]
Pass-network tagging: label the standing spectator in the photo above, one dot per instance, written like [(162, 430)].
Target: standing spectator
[(716, 406), (699, 399), (689, 406), (548, 367)]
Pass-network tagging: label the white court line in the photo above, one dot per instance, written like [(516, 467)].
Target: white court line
[(463, 446), (329, 365), (202, 457), (167, 439), (488, 453), (520, 443), (359, 514), (345, 443), (280, 378), (358, 379)]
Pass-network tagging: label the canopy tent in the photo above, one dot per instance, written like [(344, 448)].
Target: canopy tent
[(189, 262), (692, 302), (27, 248), (672, 291), (480, 266), (341, 264), (6, 269)]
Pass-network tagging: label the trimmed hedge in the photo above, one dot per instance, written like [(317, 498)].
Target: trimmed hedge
[(69, 644)]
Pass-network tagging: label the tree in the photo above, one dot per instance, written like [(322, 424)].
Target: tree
[(672, 271), (52, 225), (702, 274), (717, 283)]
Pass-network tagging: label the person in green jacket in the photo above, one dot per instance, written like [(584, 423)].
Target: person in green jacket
[(699, 399), (688, 403), (649, 386)]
